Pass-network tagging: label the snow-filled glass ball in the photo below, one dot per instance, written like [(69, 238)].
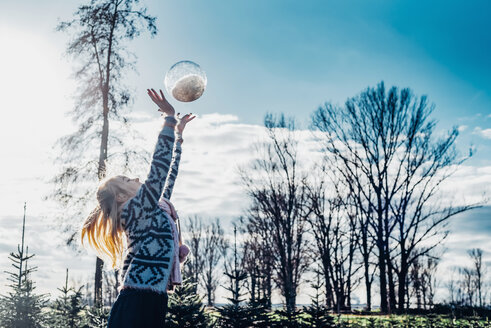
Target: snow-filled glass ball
[(185, 81)]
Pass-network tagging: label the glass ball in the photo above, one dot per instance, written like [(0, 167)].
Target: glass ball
[(185, 81)]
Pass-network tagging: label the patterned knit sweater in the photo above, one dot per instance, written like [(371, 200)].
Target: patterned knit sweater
[(149, 257)]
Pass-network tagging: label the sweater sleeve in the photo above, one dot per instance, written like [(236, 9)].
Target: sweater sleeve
[(148, 195), (174, 169)]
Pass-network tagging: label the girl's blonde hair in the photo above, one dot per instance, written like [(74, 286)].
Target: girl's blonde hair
[(103, 226)]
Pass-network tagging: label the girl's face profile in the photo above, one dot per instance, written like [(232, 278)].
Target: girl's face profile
[(130, 185)]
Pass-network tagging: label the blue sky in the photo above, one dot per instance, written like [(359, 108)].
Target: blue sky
[(260, 56), (291, 56)]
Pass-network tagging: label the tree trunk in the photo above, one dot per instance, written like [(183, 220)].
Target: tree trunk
[(368, 285), (268, 289), (210, 300), (103, 150), (366, 265), (390, 270), (392, 291), (402, 289), (253, 288), (98, 282), (290, 300), (381, 266), (101, 172), (402, 276), (329, 298)]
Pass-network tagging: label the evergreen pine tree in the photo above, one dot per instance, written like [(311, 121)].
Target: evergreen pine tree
[(21, 307), (259, 313), (318, 315), (186, 309), (372, 322), (286, 319), (97, 317), (235, 315), (67, 309)]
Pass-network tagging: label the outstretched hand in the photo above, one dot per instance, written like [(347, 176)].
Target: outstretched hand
[(160, 101), (183, 121)]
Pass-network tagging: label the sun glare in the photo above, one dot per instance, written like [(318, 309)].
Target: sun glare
[(35, 91), (34, 84), (33, 78)]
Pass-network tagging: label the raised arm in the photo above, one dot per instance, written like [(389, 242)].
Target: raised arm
[(150, 191), (174, 169)]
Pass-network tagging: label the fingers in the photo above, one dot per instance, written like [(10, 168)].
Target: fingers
[(188, 117), (156, 95), (152, 95)]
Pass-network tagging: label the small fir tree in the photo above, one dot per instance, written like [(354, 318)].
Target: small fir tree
[(67, 309), (21, 307), (372, 322), (260, 314), (318, 315), (186, 309), (286, 318), (97, 317), (235, 315)]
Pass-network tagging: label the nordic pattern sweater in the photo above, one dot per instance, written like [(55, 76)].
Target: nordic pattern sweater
[(150, 252)]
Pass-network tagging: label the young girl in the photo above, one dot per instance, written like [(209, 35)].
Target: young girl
[(137, 219)]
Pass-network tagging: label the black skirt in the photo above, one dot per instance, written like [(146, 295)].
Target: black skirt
[(138, 308)]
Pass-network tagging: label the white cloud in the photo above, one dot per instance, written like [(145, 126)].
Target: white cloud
[(485, 133), (462, 128)]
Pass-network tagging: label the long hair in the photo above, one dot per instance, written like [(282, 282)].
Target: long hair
[(103, 226)]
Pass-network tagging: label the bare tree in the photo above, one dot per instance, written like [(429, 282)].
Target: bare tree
[(452, 286), (258, 259), (275, 187), (467, 286), (479, 273), (193, 267), (99, 31), (366, 240), (334, 230), (430, 280), (235, 273), (422, 279), (384, 144), (416, 282), (214, 249)]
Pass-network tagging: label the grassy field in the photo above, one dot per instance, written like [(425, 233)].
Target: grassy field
[(303, 319), (406, 321)]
